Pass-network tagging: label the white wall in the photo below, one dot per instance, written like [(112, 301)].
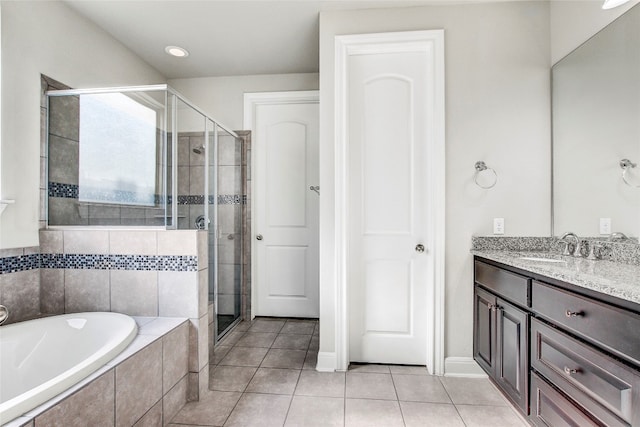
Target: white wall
[(574, 21), (49, 38), (497, 110), (223, 97)]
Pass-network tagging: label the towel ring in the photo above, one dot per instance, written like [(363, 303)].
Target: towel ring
[(625, 165), (482, 167)]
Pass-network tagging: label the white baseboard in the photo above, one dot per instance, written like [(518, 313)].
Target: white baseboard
[(462, 367), (326, 361)]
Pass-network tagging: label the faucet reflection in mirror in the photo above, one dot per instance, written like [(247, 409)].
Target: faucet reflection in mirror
[(626, 165)]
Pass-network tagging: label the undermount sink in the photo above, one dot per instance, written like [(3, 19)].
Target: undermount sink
[(542, 259)]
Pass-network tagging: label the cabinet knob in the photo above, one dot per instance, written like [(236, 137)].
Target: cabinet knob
[(570, 371), (259, 237), (570, 313), (420, 248)]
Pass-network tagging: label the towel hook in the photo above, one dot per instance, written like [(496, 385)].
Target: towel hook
[(481, 167), (625, 165)]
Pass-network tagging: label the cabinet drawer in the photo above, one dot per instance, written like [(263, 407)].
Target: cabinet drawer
[(549, 408), (505, 284), (608, 389), (612, 328)]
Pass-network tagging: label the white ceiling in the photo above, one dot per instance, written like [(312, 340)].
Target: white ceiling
[(224, 38)]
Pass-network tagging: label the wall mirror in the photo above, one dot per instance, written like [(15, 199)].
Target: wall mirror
[(596, 133)]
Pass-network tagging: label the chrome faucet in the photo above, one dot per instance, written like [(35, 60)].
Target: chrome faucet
[(577, 249), (4, 314)]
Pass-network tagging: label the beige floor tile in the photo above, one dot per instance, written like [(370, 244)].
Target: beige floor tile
[(292, 341), (372, 413), (489, 416), (231, 378), (369, 367), (314, 344), (311, 361), (472, 391), (283, 358), (326, 384), (409, 370), (244, 356), (231, 338), (305, 327), (307, 411), (266, 325), (274, 381), (419, 414), (259, 410), (218, 354), (370, 386), (212, 409), (420, 388), (257, 339), (243, 326)]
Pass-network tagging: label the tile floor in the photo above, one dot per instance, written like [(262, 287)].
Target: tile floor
[(263, 374)]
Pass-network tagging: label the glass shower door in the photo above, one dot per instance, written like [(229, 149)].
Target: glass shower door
[(227, 233)]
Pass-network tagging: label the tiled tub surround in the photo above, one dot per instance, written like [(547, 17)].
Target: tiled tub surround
[(145, 385), (613, 278), (135, 272), (20, 283)]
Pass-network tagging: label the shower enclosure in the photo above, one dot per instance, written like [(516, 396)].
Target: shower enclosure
[(146, 157)]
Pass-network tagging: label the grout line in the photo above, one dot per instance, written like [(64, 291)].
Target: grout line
[(454, 405)]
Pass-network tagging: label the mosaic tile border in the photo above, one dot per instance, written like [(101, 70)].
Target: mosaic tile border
[(19, 263), (15, 264), (72, 191)]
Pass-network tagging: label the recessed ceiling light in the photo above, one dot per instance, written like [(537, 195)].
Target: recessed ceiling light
[(176, 51), (610, 4)]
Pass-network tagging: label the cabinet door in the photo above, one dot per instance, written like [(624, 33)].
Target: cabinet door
[(484, 330), (512, 343)]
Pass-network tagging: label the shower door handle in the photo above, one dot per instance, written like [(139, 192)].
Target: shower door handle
[(259, 237)]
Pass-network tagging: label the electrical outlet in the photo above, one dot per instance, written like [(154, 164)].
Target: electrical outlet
[(498, 225), (605, 225)]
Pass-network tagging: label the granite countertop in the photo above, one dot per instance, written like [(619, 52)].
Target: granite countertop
[(617, 279)]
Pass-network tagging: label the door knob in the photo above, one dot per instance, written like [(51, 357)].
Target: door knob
[(419, 248), (259, 237)]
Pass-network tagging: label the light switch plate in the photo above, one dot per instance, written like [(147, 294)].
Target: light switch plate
[(498, 225), (605, 225)]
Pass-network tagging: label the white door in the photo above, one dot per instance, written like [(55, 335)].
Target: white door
[(286, 208), (388, 261)]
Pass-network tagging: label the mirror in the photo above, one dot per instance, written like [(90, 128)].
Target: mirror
[(596, 124)]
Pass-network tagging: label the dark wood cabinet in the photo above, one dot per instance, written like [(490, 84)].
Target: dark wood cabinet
[(512, 365), (562, 357), (501, 339), (484, 330)]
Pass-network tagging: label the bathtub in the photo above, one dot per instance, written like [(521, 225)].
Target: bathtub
[(41, 358)]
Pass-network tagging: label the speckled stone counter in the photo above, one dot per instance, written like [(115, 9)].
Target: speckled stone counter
[(612, 278)]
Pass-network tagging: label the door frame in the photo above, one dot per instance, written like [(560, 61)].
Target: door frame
[(431, 42), (252, 100)]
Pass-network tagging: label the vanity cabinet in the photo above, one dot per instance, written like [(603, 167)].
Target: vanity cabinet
[(565, 358), (501, 340)]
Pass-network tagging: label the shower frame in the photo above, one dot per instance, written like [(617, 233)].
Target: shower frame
[(210, 125)]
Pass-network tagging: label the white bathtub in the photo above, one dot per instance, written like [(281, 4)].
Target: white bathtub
[(41, 358)]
